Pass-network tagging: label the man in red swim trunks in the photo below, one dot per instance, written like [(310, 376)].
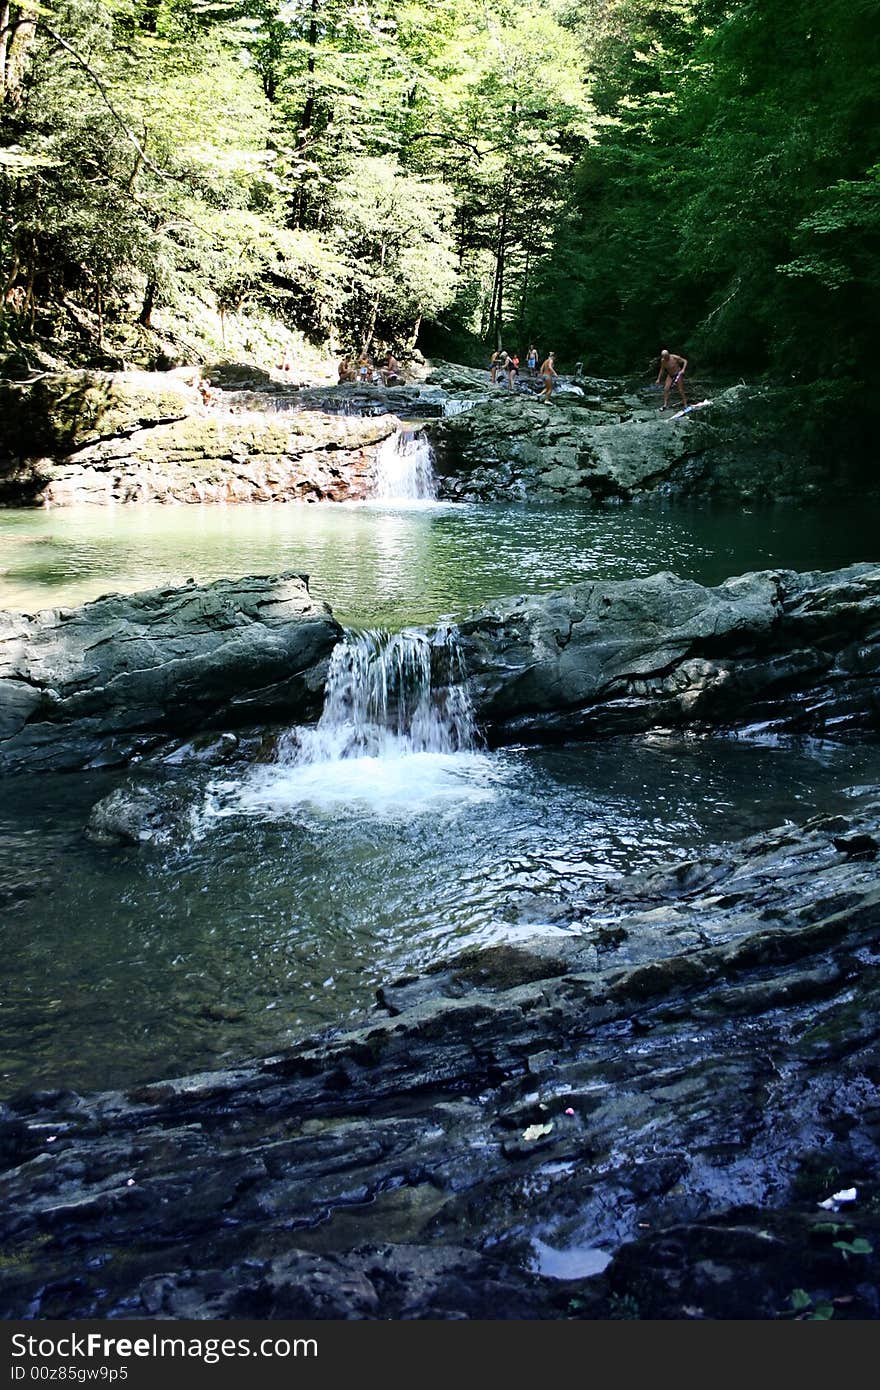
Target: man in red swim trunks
[(675, 368)]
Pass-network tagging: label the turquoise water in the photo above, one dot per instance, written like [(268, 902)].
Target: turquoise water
[(398, 565)]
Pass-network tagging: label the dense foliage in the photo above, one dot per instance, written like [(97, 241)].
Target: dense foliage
[(730, 204), (349, 168), (605, 176)]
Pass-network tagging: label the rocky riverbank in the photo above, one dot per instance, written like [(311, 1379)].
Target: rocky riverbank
[(796, 652), (645, 1114), (149, 437), (140, 436), (598, 440), (123, 676)]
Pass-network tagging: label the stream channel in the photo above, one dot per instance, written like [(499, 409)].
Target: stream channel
[(388, 838)]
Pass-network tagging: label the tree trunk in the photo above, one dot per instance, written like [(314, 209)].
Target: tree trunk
[(145, 317), (523, 295), (308, 111), (5, 13), (374, 311), (17, 43), (496, 310)]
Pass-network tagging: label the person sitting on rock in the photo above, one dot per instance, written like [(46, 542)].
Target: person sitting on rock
[(674, 367), (391, 369), (345, 370), (365, 367)]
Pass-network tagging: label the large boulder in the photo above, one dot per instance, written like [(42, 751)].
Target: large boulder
[(602, 439), (98, 685), (799, 651), (58, 413)]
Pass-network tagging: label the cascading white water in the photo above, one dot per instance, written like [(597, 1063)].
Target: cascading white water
[(388, 695), (405, 468), (456, 406), (396, 739)]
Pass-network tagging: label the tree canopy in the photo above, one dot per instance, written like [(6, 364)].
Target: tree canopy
[(604, 176)]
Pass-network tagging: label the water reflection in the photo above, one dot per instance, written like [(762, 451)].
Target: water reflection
[(393, 565), (292, 903)]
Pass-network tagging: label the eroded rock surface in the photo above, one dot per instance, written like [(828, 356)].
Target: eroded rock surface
[(673, 1086), (100, 684), (794, 651), (608, 439), (147, 437)]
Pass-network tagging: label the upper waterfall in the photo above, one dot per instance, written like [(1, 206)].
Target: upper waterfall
[(405, 468)]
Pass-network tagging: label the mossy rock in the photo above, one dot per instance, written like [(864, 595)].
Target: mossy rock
[(59, 413)]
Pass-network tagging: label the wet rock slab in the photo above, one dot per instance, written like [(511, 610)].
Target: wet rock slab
[(101, 684), (668, 1090), (783, 650)]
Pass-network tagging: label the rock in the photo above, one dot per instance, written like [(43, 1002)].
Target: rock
[(16, 366), (600, 440), (136, 814), (783, 650), (58, 413), (239, 376), (141, 436), (681, 1113), (101, 684)]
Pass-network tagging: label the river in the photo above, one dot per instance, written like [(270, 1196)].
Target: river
[(296, 890)]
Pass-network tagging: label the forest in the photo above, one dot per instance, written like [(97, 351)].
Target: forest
[(605, 177)]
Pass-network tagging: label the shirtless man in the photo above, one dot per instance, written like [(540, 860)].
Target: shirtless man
[(550, 374), (674, 367), (498, 364), (391, 369)]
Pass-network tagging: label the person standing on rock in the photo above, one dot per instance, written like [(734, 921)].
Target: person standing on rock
[(532, 360), (512, 371), (499, 364), (674, 367), (550, 375)]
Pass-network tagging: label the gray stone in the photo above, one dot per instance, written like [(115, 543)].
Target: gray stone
[(99, 684), (792, 651)]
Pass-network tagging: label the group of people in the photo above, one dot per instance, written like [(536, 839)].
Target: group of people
[(508, 366), (364, 370), (672, 368)]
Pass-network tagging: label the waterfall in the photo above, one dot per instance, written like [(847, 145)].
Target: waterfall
[(388, 695), (405, 468), (396, 739), (454, 406)]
